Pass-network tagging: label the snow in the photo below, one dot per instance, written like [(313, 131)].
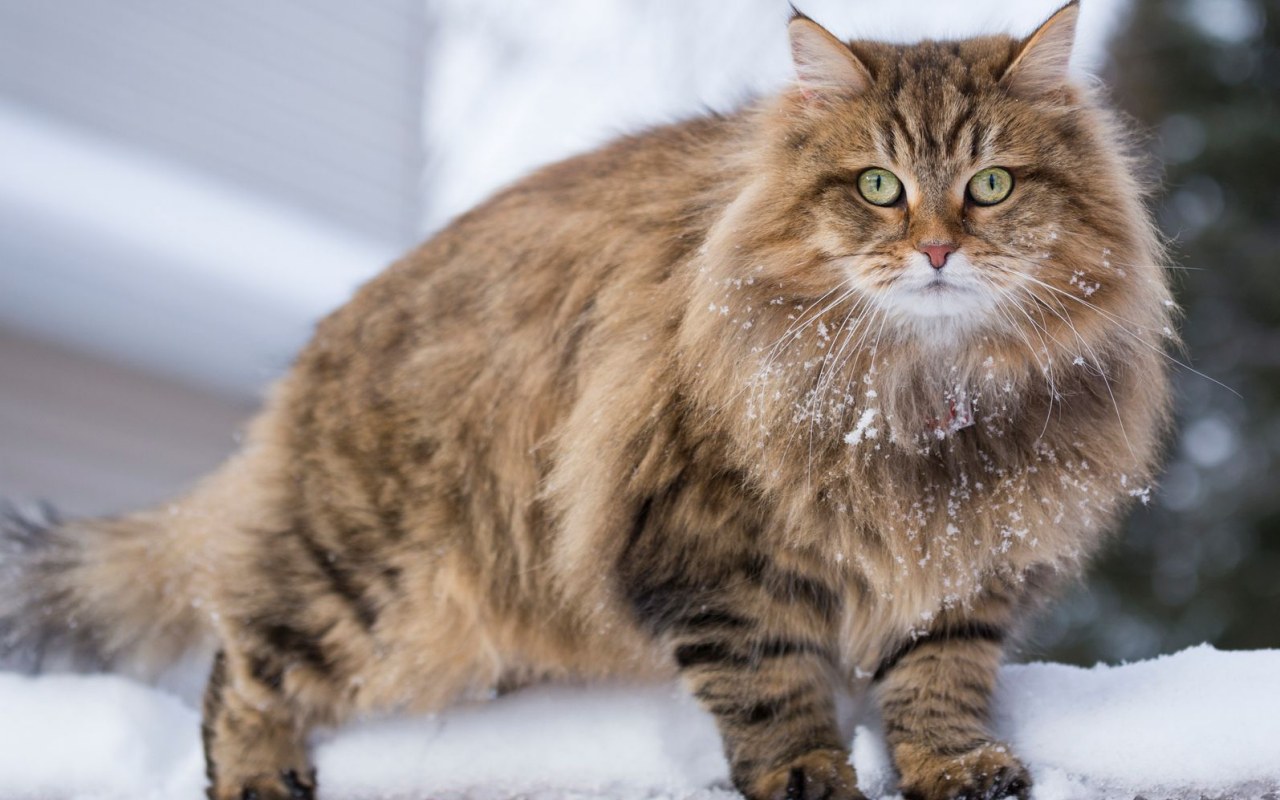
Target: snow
[(863, 430), (1202, 718), (1201, 722)]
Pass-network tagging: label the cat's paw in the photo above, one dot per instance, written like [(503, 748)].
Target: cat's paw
[(289, 784), (987, 772), (818, 775)]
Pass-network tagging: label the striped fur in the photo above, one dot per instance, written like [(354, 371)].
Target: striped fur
[(934, 692), (656, 411)]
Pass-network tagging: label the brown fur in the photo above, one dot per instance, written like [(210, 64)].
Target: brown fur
[(626, 418)]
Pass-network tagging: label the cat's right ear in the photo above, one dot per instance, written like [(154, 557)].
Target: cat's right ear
[(826, 69)]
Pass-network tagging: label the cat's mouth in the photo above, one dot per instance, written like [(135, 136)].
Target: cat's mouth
[(956, 294), (952, 293), (940, 285)]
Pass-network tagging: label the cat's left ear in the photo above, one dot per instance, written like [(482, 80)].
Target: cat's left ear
[(826, 69), (1040, 67)]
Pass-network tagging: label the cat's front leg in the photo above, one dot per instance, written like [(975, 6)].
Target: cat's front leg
[(935, 694), (773, 703), (753, 641)]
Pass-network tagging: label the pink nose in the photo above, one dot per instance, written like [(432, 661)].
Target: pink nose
[(937, 253)]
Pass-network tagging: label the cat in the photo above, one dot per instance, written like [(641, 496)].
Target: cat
[(830, 392)]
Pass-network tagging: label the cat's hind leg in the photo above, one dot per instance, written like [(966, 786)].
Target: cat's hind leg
[(254, 743)]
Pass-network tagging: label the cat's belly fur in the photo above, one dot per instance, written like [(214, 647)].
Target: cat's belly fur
[(479, 606)]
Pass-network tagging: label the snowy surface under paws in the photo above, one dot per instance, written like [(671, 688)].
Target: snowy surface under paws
[(1199, 723)]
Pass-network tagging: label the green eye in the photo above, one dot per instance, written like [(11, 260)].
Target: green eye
[(880, 186), (991, 186)]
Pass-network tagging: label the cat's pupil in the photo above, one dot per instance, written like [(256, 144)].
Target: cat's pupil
[(879, 181), (991, 181)]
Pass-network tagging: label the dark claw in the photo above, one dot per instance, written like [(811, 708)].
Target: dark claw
[(1018, 787), (795, 784), (249, 794), (798, 787), (1008, 783), (298, 790)]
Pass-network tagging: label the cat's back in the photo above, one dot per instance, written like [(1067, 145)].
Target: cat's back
[(462, 357), (539, 250)]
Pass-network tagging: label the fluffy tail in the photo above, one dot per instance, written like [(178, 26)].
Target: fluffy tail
[(114, 593)]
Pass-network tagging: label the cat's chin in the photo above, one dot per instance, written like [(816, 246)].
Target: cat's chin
[(939, 303), (941, 308)]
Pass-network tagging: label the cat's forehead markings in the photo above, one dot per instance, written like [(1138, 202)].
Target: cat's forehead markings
[(988, 135), (886, 143)]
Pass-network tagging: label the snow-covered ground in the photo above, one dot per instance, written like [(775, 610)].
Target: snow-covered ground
[(1202, 723)]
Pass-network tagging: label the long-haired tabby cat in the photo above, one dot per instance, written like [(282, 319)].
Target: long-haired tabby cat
[(824, 393)]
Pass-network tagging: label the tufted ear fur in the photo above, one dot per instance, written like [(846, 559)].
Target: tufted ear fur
[(825, 66), (1040, 67)]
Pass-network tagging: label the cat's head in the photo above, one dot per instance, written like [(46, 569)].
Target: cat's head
[(952, 187)]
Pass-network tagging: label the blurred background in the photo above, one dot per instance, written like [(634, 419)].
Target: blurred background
[(185, 187)]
